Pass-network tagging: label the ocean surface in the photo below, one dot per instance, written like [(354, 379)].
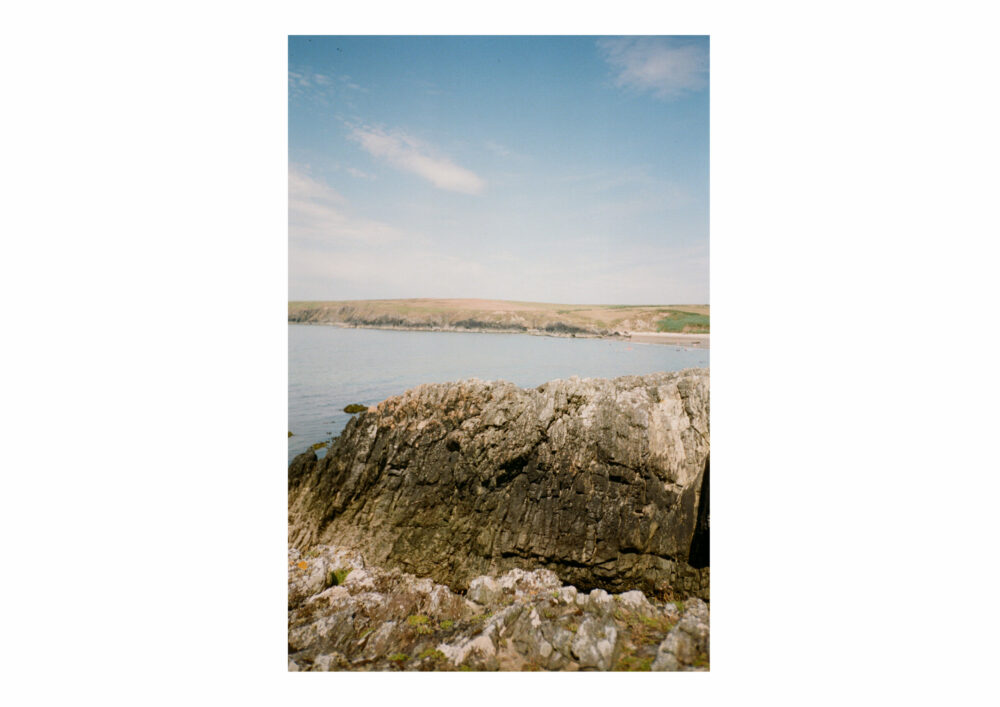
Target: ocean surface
[(330, 367)]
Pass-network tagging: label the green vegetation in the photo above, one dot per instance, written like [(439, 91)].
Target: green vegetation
[(648, 630), (678, 321), (679, 604), (319, 445), (657, 623), (335, 578), (447, 624), (701, 661), (399, 657), (632, 663), (355, 407), (420, 622), (431, 653), (290, 433)]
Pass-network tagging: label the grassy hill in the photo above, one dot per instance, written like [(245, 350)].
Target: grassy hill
[(502, 315)]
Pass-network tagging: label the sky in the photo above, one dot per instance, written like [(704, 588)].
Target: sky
[(546, 169)]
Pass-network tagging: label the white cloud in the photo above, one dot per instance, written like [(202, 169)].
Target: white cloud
[(665, 66), (358, 174), (409, 154), (316, 212)]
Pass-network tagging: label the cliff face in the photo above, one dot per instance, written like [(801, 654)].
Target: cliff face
[(597, 480)]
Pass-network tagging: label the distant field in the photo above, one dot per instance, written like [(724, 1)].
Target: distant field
[(502, 315)]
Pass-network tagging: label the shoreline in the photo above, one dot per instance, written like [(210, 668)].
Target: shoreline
[(684, 340)]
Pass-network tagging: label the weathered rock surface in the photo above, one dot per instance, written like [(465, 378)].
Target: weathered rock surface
[(344, 614), (597, 480)]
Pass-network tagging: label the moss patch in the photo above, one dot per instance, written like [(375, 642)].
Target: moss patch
[(633, 663), (420, 622), (335, 578)]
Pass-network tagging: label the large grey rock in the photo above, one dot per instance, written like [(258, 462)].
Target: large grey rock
[(688, 642), (597, 480), (594, 645)]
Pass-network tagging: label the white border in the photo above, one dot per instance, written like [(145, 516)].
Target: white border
[(853, 228)]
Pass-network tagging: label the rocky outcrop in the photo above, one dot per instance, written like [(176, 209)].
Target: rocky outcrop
[(347, 615), (599, 481)]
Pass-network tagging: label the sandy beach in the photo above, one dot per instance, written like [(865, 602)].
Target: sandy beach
[(694, 341)]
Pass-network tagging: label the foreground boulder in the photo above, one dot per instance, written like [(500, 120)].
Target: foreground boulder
[(347, 615), (599, 481)]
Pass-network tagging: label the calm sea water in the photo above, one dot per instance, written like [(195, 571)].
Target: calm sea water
[(330, 368)]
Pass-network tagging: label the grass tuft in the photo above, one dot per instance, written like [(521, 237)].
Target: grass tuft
[(677, 321)]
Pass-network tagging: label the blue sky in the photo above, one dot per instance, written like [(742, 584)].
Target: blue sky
[(551, 169)]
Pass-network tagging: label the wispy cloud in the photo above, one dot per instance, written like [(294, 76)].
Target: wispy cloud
[(664, 66), (308, 85), (412, 155), (349, 83), (358, 174), (317, 212), (497, 149)]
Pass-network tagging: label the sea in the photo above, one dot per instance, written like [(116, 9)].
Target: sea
[(330, 367)]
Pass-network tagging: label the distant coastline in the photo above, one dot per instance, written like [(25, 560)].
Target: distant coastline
[(676, 325), (691, 341)]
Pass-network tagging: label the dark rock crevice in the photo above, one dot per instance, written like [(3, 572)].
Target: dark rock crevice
[(698, 557)]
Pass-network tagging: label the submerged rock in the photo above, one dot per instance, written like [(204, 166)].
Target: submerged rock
[(599, 481)]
